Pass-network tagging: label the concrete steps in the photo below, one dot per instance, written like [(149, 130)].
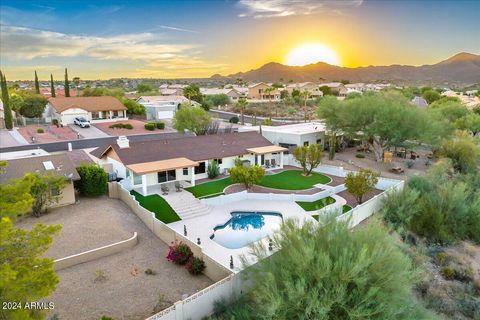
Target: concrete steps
[(186, 205)]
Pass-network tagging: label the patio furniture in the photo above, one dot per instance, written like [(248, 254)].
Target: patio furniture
[(273, 162), (178, 186), (267, 163), (397, 170), (164, 190)]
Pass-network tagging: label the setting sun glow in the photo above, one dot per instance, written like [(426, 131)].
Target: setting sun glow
[(311, 53)]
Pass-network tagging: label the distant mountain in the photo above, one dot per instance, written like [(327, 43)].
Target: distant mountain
[(461, 69)]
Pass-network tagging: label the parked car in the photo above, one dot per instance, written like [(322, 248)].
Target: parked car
[(82, 122)]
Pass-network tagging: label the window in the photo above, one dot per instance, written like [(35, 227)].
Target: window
[(319, 141), (165, 176), (137, 179), (218, 161), (305, 143), (95, 115), (289, 146), (185, 171), (200, 168)]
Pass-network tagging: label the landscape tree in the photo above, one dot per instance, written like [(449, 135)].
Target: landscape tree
[(326, 90), (93, 180), (305, 96), (296, 93), (309, 157), (8, 118), (331, 111), (37, 84), (242, 104), (15, 197), (145, 87), (133, 107), (45, 190), (360, 183), (76, 81), (16, 101), (66, 84), (309, 277), (249, 176), (218, 99), (192, 92), (463, 150), (52, 87), (192, 119), (450, 110), (431, 96), (470, 122), (33, 106)]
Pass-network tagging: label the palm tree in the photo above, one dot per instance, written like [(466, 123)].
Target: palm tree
[(268, 91), (242, 104), (189, 92), (305, 95), (76, 81)]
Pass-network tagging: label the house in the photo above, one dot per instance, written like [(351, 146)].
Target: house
[(356, 87), (311, 87), (257, 92), (59, 92), (162, 107), (232, 94), (292, 135), (171, 89), (336, 88), (94, 109), (149, 164), (58, 164)]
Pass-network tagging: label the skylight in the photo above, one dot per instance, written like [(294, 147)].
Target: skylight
[(48, 165)]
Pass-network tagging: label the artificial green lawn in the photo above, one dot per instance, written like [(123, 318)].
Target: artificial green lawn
[(157, 205), (315, 205), (210, 189), (345, 208), (293, 180)]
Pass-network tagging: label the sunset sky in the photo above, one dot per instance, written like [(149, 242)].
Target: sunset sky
[(171, 39)]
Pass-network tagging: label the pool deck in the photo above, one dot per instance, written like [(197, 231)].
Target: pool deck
[(202, 227)]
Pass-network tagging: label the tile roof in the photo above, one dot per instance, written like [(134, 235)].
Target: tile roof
[(195, 148), (91, 104)]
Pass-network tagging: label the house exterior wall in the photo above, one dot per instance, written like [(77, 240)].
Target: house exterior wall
[(258, 93), (67, 117), (67, 197), (294, 139)]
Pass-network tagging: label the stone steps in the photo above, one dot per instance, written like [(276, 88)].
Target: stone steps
[(186, 205)]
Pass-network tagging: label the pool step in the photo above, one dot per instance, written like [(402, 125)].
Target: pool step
[(186, 205)]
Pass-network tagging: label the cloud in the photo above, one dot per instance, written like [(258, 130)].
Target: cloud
[(177, 29), (283, 8)]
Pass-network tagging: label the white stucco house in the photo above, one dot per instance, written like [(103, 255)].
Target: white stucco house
[(94, 109), (162, 107), (311, 87), (232, 94)]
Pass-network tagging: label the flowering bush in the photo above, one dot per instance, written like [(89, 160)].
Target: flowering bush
[(179, 253), (195, 265)]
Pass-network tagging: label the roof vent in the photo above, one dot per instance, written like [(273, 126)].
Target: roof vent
[(48, 165), (123, 142)]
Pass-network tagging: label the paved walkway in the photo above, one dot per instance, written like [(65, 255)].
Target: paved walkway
[(88, 133), (259, 189)]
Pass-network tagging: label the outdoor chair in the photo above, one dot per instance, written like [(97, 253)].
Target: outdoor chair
[(178, 186), (164, 190), (267, 163), (273, 162)]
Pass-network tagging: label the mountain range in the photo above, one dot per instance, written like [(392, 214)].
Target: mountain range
[(461, 69)]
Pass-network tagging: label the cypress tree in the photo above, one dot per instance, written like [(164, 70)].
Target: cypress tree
[(67, 84), (37, 85), (6, 103), (52, 87)]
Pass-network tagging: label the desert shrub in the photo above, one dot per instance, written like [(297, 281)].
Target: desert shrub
[(448, 273), (106, 318), (150, 272), (267, 122), (360, 156), (195, 265), (40, 130), (160, 125), (100, 276), (150, 126), (234, 119), (127, 126), (179, 253), (213, 170), (409, 164), (442, 258), (93, 180), (55, 122)]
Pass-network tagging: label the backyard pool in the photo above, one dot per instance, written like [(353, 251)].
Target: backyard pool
[(246, 227)]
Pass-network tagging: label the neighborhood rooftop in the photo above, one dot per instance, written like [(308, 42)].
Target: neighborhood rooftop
[(91, 104)]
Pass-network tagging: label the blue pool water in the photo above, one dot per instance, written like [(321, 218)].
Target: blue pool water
[(246, 227)]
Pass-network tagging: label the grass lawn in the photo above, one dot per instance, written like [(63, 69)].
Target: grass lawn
[(210, 189), (315, 205), (293, 180), (345, 208), (157, 205)]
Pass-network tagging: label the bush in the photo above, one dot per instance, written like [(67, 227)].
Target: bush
[(55, 122), (40, 130), (127, 126), (213, 170), (234, 119), (121, 126), (179, 253), (93, 180), (360, 156), (160, 125), (195, 265), (267, 122), (150, 272), (409, 164), (150, 126), (448, 273)]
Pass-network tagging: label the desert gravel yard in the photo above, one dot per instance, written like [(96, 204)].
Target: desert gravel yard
[(116, 285)]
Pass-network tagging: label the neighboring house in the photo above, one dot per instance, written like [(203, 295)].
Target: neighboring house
[(419, 102), (59, 92), (58, 164), (162, 107), (292, 135), (151, 163), (311, 87), (257, 92), (356, 87), (94, 109), (337, 88), (171, 92), (232, 94)]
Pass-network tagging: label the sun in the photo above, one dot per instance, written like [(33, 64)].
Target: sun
[(311, 53)]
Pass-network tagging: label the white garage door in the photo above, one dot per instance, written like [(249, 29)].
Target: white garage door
[(68, 118), (165, 114)]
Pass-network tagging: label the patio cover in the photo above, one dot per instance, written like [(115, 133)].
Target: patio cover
[(162, 165), (267, 149)]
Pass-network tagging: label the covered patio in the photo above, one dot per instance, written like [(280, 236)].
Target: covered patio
[(269, 157), (149, 177)]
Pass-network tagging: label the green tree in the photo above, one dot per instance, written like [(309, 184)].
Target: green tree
[(331, 273), (242, 104), (192, 92), (249, 176), (76, 81), (7, 111), (26, 275), (309, 157), (305, 95), (331, 112), (218, 99), (326, 90), (360, 183), (470, 122), (15, 197), (93, 180), (37, 84), (45, 190), (67, 84), (431, 96), (33, 106), (449, 110), (191, 118), (16, 102), (144, 87), (133, 107), (52, 87), (296, 93), (463, 150)]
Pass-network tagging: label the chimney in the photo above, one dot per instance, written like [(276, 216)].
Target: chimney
[(123, 142)]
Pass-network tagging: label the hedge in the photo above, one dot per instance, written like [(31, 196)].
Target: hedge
[(150, 126)]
